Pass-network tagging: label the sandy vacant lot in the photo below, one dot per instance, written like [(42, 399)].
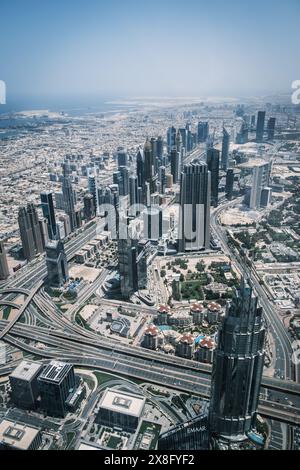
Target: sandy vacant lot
[(88, 311), (88, 274)]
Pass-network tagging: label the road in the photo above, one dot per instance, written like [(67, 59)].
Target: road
[(275, 325)]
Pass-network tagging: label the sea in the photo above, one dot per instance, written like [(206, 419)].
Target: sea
[(18, 114)]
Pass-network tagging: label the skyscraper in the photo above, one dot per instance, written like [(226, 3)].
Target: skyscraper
[(44, 227), (150, 176), (140, 168), (49, 214), (260, 180), (179, 142), (56, 382), (171, 138), (148, 159), (242, 135), (162, 178), (68, 195), (213, 163), (153, 223), (160, 148), (225, 149), (26, 234), (183, 133), (189, 137), (175, 165), (122, 158), (124, 188), (36, 229), (30, 232), (271, 128), (194, 224), (229, 183), (93, 189), (89, 207), (238, 367), (133, 252), (203, 131), (4, 271), (133, 190), (57, 264), (260, 127)]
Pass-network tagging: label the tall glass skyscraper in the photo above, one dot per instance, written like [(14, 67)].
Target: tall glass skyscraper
[(213, 163), (194, 224), (68, 195), (260, 129), (225, 149), (238, 367), (49, 214), (30, 231)]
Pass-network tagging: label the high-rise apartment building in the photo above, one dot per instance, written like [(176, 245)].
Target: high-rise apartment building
[(260, 180), (194, 224)]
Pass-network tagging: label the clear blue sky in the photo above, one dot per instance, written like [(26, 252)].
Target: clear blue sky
[(149, 47)]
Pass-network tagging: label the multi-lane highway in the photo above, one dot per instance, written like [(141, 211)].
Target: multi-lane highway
[(65, 340), (275, 325)]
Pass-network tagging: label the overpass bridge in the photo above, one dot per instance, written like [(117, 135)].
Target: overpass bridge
[(21, 310)]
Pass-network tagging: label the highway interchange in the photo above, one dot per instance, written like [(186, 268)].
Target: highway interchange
[(47, 333)]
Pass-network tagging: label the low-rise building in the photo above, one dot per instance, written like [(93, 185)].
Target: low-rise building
[(121, 410), (19, 436)]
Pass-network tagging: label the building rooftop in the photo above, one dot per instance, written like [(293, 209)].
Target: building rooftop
[(17, 435), (187, 338), (26, 370), (88, 446), (122, 402), (55, 371), (152, 330)]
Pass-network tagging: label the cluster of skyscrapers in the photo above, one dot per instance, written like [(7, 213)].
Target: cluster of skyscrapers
[(137, 189)]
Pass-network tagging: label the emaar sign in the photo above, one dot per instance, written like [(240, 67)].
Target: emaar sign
[(2, 92)]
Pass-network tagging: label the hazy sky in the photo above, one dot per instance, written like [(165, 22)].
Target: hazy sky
[(149, 47)]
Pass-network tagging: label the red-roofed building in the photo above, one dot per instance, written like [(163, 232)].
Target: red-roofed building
[(186, 346), (150, 340), (198, 312), (205, 353)]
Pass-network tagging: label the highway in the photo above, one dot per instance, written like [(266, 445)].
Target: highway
[(21, 310), (36, 271), (65, 340), (276, 327), (130, 366)]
